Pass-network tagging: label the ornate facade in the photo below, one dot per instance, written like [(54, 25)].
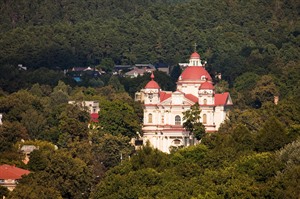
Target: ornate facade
[(163, 110)]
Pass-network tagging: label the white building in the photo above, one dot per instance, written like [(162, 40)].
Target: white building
[(90, 106), (163, 110)]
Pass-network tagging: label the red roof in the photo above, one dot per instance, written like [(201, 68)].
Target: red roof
[(191, 97), (94, 117), (195, 73), (11, 172), (164, 96), (206, 85), (195, 55), (221, 99), (152, 84)]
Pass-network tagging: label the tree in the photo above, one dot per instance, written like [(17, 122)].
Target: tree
[(71, 177), (118, 117), (265, 89), (111, 150), (115, 83), (175, 73), (272, 136), (4, 191), (34, 192), (10, 133), (192, 121)]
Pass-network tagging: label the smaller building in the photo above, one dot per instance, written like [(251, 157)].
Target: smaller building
[(0, 118), (9, 175), (90, 106), (140, 70), (26, 150)]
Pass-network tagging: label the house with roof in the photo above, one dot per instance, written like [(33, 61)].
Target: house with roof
[(9, 175), (140, 70), (163, 110)]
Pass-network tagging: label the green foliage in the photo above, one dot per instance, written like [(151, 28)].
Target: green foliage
[(3, 191), (10, 133), (118, 118), (259, 166), (68, 176), (192, 121), (265, 89), (272, 136), (115, 83), (253, 44), (148, 157), (36, 192), (111, 150)]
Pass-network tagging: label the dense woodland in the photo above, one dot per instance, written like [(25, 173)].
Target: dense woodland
[(253, 44)]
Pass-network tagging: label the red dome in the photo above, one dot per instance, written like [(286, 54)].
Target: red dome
[(152, 84), (206, 85), (195, 55), (195, 73)]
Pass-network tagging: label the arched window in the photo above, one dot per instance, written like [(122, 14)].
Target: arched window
[(205, 101), (176, 142), (149, 118), (177, 120), (204, 119)]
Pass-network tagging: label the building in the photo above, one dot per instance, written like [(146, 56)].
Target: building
[(139, 70), (9, 175), (1, 118), (92, 107), (163, 110), (26, 150)]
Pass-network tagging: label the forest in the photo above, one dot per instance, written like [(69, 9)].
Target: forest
[(255, 45)]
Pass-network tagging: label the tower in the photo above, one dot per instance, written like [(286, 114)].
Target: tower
[(151, 91)]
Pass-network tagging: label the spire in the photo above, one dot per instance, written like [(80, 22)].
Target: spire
[(195, 47), (152, 76)]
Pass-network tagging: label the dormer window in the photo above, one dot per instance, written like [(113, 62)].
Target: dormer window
[(203, 78)]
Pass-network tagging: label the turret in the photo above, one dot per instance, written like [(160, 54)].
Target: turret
[(151, 91), (206, 93)]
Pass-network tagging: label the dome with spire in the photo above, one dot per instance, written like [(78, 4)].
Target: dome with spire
[(152, 84)]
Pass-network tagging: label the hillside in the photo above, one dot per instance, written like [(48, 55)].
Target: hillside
[(254, 45)]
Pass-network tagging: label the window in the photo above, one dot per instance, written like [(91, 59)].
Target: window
[(177, 120), (204, 119), (205, 101), (162, 119), (149, 118), (150, 95), (176, 142)]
